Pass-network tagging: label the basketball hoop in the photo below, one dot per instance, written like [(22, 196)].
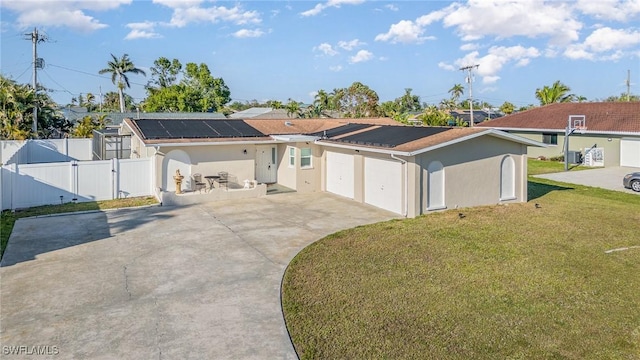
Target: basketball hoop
[(580, 129)]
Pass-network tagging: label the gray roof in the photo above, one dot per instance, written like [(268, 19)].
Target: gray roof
[(250, 113), (116, 118)]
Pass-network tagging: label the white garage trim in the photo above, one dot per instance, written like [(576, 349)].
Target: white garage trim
[(340, 174), (383, 184), (630, 152)]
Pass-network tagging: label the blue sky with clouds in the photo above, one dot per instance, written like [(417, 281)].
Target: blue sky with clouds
[(291, 49)]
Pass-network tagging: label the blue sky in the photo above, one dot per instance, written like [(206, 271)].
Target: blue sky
[(291, 49)]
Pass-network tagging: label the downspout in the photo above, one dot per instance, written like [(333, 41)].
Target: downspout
[(406, 184)]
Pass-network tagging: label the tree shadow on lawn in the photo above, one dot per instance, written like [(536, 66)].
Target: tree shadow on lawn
[(538, 189)]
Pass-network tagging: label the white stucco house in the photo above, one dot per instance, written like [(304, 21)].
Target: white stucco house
[(406, 170)]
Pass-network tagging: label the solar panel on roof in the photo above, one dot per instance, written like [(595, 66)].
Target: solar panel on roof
[(391, 136), (341, 130), (195, 129)]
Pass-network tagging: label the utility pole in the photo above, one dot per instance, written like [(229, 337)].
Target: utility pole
[(38, 63), (628, 85), (469, 70)]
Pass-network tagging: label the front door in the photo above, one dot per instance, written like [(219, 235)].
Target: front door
[(266, 165)]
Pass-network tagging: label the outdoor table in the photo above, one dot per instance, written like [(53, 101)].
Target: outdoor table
[(211, 180)]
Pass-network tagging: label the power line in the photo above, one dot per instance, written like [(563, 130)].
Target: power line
[(91, 74), (57, 83)]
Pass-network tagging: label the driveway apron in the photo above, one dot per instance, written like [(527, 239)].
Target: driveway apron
[(192, 282)]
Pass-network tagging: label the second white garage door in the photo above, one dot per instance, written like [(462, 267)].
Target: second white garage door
[(340, 174), (383, 184), (630, 152)]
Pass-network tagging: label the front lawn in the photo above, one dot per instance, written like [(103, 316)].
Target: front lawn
[(518, 281)]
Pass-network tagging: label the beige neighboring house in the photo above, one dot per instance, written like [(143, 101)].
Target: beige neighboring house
[(406, 170), (611, 138)]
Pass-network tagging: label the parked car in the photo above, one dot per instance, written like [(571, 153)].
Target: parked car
[(632, 181)]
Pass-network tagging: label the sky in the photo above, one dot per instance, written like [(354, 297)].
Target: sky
[(281, 50)]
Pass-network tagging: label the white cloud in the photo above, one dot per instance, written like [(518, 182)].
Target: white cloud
[(350, 45), (445, 66), (247, 33), (469, 47), (604, 44), (61, 13), (391, 7), (610, 9), (495, 60), (405, 31), (142, 30), (331, 3), (361, 56), (185, 12), (532, 19), (336, 68), (326, 49)]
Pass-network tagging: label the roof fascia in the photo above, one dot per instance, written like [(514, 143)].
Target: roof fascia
[(490, 132), (362, 148), (216, 143)]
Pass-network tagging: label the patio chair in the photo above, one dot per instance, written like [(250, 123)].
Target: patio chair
[(224, 179), (197, 183)]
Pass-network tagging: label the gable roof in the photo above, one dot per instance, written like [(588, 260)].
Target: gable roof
[(601, 118)]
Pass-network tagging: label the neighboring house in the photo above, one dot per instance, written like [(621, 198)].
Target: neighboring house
[(76, 113), (611, 138), (406, 170), (479, 115)]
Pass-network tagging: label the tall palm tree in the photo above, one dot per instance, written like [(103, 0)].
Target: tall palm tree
[(558, 92), (118, 68), (456, 91)]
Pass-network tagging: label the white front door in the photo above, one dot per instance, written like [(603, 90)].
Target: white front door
[(340, 174), (266, 164), (383, 184)]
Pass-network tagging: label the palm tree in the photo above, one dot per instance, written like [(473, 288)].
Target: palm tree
[(456, 91), (118, 68), (293, 107), (322, 100), (558, 92)]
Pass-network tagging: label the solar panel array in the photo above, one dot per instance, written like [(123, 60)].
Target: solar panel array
[(341, 130), (391, 136), (195, 129)]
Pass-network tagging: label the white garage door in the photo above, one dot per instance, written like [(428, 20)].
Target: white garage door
[(383, 184), (630, 152), (340, 174)]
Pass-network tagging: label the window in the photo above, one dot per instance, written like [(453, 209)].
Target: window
[(305, 158), (435, 186), (292, 157), (551, 139), (507, 179)]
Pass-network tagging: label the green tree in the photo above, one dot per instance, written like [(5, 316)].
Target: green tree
[(409, 102), (558, 92), (119, 68), (85, 126), (293, 108), (164, 72), (507, 108), (16, 112), (623, 97), (456, 92), (359, 101), (432, 116)]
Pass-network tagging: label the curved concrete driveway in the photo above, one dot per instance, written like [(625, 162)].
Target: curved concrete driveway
[(200, 282), (607, 178)]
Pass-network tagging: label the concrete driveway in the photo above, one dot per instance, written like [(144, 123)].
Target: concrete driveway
[(607, 178), (198, 282)]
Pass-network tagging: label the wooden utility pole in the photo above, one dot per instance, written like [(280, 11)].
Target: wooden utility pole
[(469, 70)]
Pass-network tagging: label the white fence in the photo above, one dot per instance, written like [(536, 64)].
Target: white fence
[(44, 151), (54, 183)]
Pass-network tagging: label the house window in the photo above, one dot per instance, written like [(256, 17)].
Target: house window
[(305, 158), (507, 179), (435, 186), (292, 157), (551, 139)]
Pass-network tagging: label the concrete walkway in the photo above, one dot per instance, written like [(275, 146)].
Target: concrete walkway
[(607, 178), (193, 282)]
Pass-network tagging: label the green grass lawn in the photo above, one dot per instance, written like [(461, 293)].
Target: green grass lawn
[(8, 218), (512, 281)]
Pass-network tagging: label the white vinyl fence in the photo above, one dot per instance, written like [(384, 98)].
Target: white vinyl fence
[(54, 183), (44, 151)]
